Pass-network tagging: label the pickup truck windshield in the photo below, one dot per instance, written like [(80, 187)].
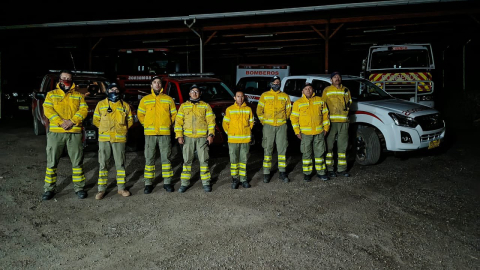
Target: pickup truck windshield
[(210, 91), (363, 90)]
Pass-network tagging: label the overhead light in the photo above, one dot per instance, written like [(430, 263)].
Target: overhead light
[(379, 30), (269, 48), (150, 51), (262, 35), (156, 41)]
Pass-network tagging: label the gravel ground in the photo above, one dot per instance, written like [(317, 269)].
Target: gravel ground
[(413, 211)]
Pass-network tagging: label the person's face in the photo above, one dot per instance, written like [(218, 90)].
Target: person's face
[(308, 91), (114, 90), (157, 85), (276, 82), (336, 80), (66, 80), (194, 93), (239, 98)]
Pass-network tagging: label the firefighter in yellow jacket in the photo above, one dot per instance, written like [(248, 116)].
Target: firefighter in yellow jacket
[(195, 129), (113, 118), (66, 109), (273, 110), (156, 112), (311, 123), (338, 100), (238, 124)]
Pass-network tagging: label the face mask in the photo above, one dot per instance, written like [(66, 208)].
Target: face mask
[(66, 84), (113, 96), (275, 87)]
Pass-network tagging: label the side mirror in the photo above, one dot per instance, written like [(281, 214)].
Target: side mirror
[(39, 95)]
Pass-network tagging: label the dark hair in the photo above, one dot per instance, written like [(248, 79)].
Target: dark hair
[(65, 71), (239, 91)]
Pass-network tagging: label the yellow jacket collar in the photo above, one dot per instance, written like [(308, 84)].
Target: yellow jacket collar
[(153, 92), (243, 104), (303, 96)]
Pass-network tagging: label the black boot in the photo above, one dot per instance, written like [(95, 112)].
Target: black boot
[(245, 184), (148, 189), (307, 177), (81, 194), (266, 178), (344, 173), (48, 195), (182, 189), (207, 188), (323, 177), (168, 187), (332, 174), (235, 183), (283, 176)]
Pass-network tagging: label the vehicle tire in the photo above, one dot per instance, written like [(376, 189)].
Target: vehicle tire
[(367, 146), (38, 127)]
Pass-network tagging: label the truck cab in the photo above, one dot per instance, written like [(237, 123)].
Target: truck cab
[(404, 71)]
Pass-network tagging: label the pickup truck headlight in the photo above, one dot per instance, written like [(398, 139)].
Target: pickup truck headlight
[(402, 120)]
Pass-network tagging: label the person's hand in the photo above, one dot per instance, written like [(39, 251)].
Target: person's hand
[(299, 135), (324, 133), (181, 140), (67, 124), (210, 140)]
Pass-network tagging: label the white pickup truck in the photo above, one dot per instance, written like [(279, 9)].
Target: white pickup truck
[(380, 121)]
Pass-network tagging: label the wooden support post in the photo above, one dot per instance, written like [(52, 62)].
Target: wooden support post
[(327, 37), (90, 54)]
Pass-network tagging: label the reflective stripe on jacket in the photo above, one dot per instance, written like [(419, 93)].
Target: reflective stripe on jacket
[(112, 126), (274, 108), (338, 102), (194, 120), (310, 116), (238, 123), (156, 113), (59, 106)]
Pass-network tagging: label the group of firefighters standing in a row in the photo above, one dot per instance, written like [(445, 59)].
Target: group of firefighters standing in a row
[(313, 118)]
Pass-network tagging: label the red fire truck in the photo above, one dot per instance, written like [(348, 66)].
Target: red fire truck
[(404, 71)]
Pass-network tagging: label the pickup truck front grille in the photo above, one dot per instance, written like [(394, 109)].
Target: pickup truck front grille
[(430, 137), (430, 121)]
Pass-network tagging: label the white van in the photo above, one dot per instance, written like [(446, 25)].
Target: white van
[(381, 122)]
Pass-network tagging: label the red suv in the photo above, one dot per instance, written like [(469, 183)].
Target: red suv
[(94, 87)]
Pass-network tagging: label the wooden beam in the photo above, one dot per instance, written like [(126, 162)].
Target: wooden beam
[(336, 30), (318, 32), (214, 33)]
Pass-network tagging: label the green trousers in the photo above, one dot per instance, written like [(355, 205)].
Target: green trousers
[(272, 135), (192, 144), (338, 131), (313, 145), (238, 160), (105, 150), (56, 142), (165, 147)]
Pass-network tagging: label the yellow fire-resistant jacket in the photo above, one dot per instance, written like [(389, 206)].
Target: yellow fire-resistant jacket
[(338, 102), (238, 123), (59, 106), (194, 120), (310, 116), (156, 113), (274, 108), (113, 126)]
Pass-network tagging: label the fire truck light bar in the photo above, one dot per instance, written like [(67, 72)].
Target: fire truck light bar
[(190, 74), (80, 72)]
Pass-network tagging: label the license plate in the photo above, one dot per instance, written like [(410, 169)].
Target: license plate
[(23, 108), (434, 144), (91, 135)]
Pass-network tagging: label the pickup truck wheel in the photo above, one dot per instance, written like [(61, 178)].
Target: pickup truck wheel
[(367, 146), (38, 127)]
